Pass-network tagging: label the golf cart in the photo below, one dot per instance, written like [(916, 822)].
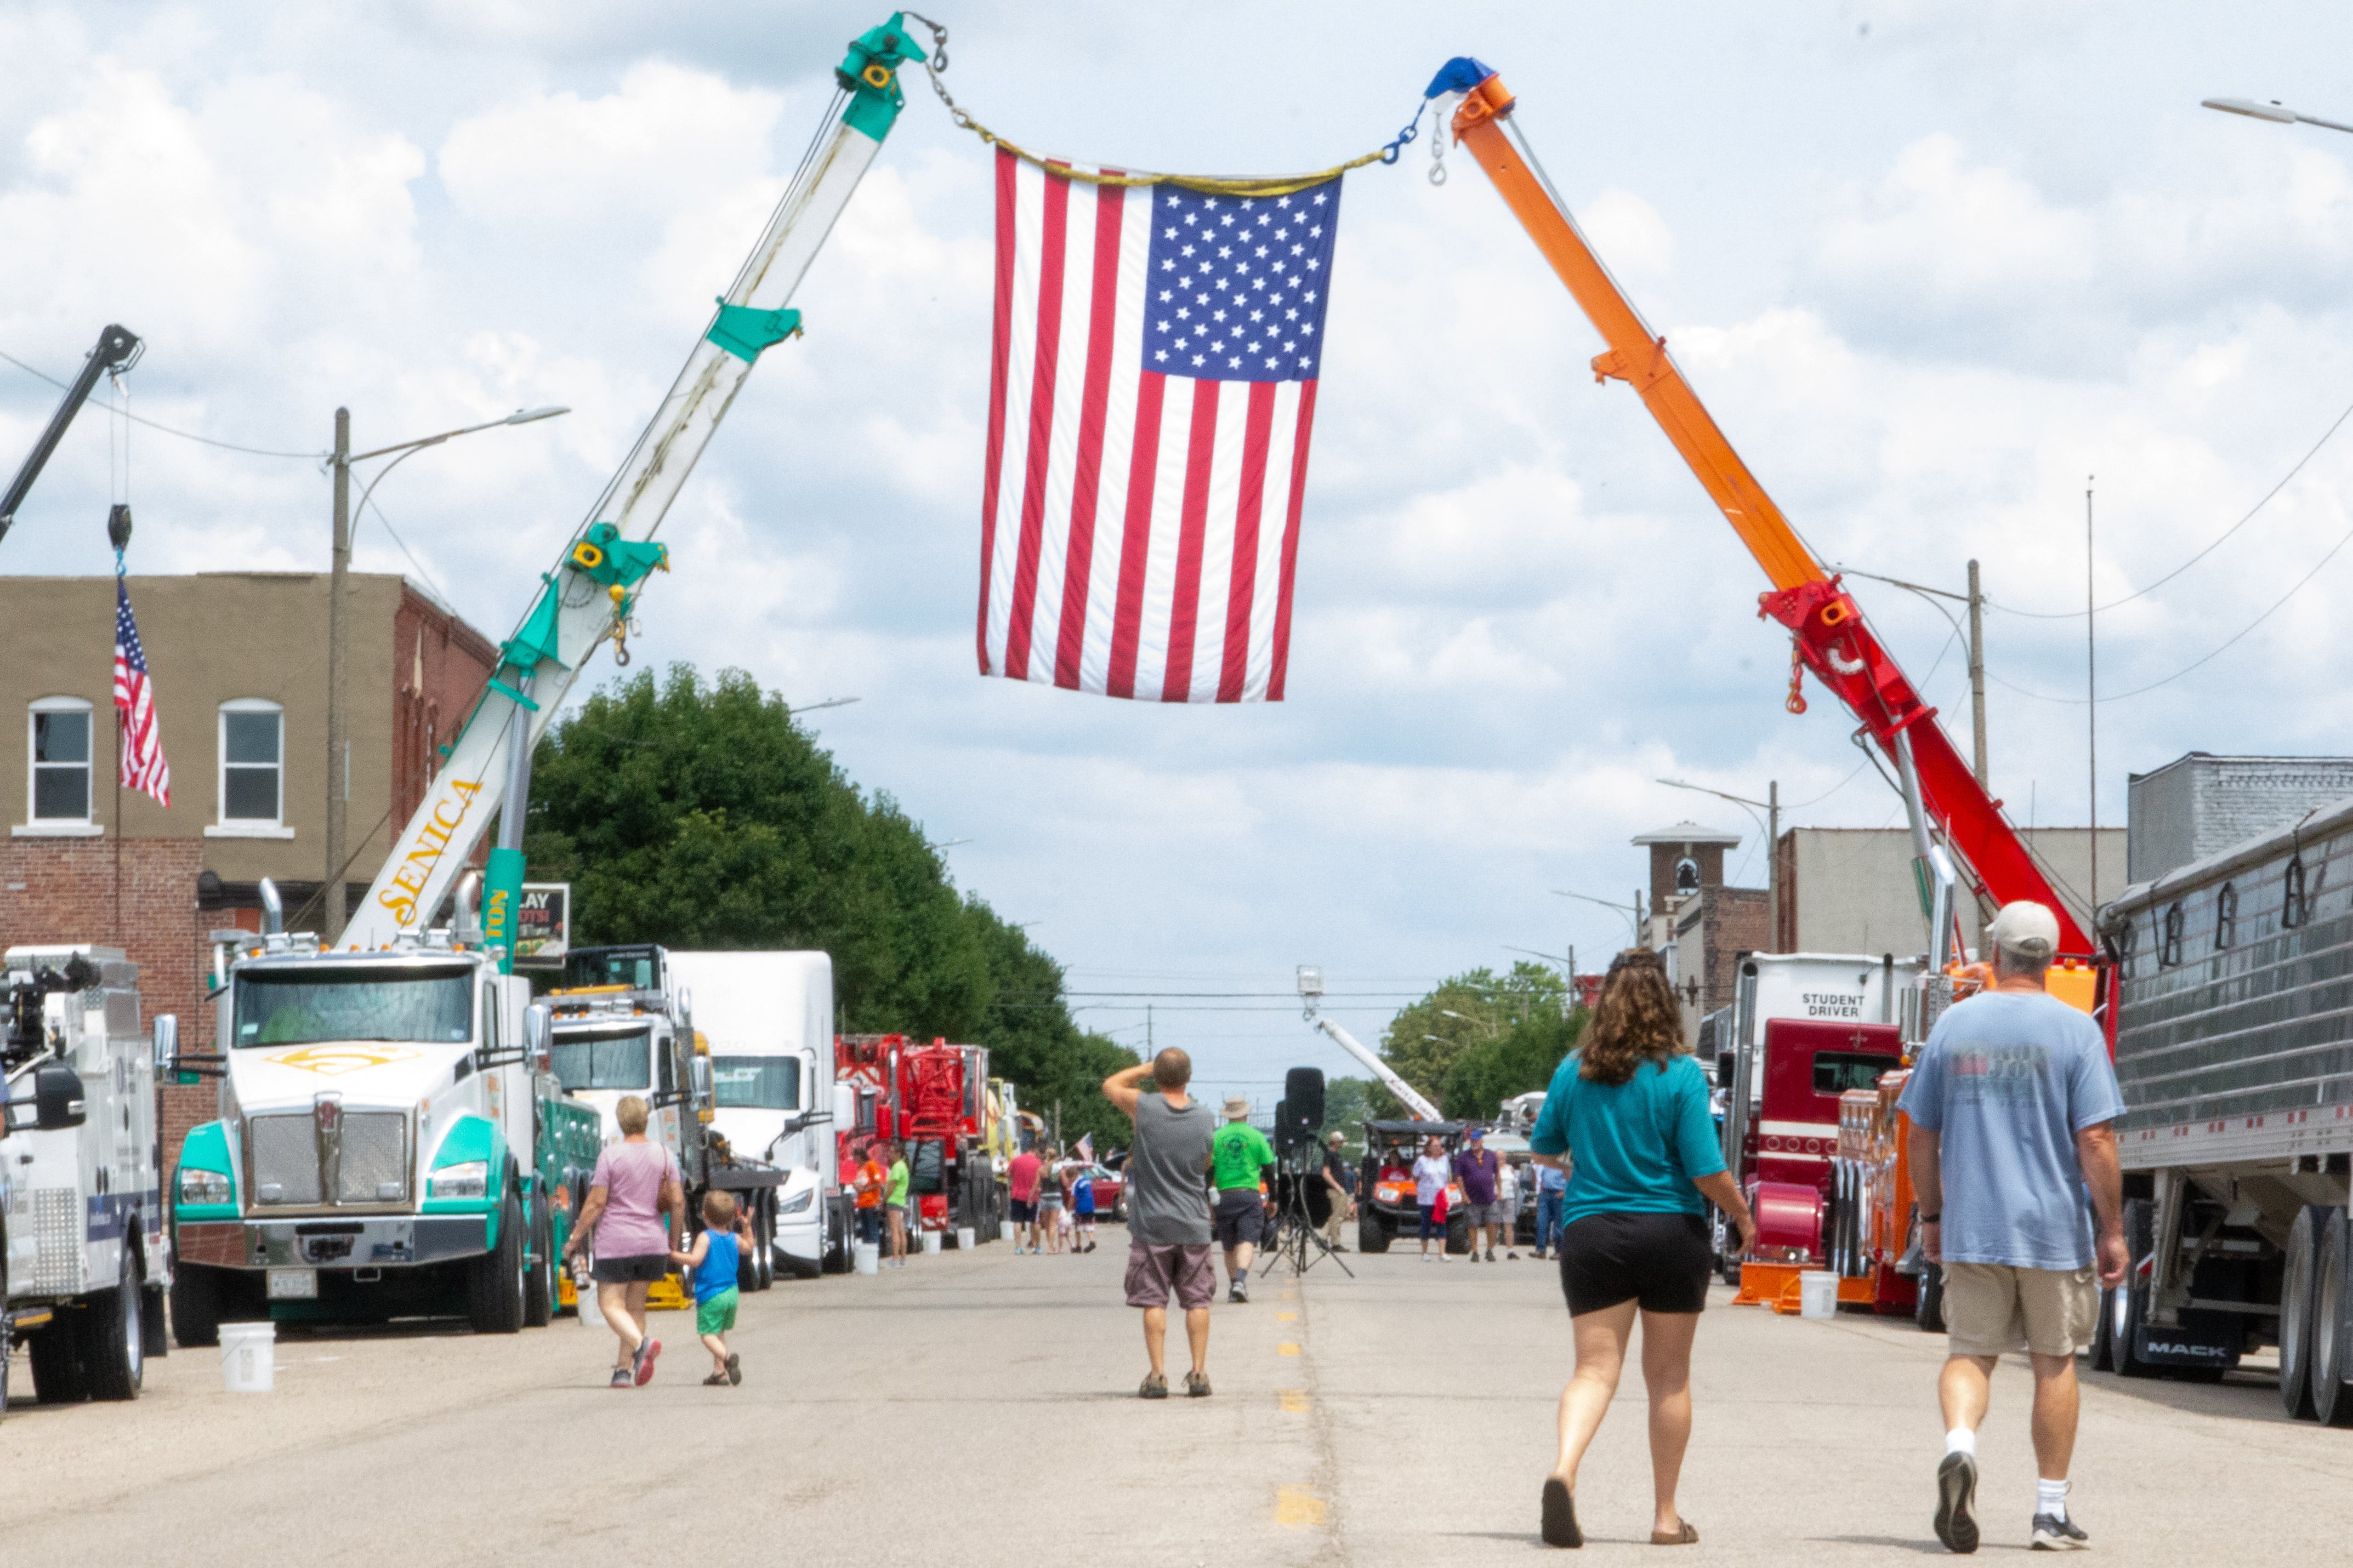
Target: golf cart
[(1384, 1207)]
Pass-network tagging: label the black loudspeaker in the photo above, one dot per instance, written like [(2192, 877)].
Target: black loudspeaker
[(1284, 1134), (1302, 1101)]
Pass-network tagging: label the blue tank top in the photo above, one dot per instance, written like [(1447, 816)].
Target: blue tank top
[(716, 1273)]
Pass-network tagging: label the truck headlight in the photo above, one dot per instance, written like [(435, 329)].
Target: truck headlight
[(470, 1179), (799, 1205), (204, 1187)]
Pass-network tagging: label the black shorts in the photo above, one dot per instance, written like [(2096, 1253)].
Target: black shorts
[(643, 1269), (1241, 1218), (1023, 1214), (1659, 1260)]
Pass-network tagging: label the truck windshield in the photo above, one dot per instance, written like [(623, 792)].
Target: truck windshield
[(757, 1083), (1835, 1072), (602, 1061), (304, 1007)]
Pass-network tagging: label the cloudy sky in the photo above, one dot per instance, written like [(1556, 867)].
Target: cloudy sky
[(1931, 265)]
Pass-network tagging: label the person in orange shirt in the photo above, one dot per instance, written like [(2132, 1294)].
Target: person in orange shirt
[(870, 1179)]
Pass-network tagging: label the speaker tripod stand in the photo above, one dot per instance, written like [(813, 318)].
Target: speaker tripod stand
[(1296, 1241)]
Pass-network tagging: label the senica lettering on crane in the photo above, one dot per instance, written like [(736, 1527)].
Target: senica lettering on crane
[(432, 843), (1832, 1004)]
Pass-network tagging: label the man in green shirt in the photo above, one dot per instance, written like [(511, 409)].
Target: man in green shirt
[(1241, 1165)]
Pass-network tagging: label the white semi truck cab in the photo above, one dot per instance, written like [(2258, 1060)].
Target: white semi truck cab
[(379, 1144), (84, 1259)]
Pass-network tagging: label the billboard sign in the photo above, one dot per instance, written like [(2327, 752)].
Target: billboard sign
[(543, 930)]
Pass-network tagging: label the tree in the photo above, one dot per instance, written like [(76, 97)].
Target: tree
[(1425, 1039), (1520, 1059), (700, 815)]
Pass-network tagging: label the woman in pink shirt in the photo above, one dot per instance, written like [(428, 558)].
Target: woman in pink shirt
[(635, 1184)]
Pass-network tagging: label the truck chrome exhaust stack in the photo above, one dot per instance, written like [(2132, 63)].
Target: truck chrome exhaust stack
[(273, 909), (468, 922)]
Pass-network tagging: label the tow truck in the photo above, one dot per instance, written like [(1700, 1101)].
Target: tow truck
[(83, 1258), (376, 1148)]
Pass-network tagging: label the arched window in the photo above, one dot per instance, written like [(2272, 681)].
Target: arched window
[(2226, 917), (2168, 952), (59, 744), (253, 768), (1686, 875)]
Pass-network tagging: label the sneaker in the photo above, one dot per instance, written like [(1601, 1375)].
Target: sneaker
[(1511, 1257), (1956, 1489), (1156, 1386), (1197, 1385), (624, 1377), (642, 1364), (1491, 1255), (2054, 1534), (1425, 1258), (1238, 1295)]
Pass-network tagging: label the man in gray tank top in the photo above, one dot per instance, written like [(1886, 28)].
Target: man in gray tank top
[(1168, 1211)]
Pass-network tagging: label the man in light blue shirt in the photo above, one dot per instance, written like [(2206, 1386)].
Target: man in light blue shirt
[(2017, 1087)]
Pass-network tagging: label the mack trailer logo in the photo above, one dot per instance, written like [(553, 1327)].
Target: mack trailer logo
[(1832, 1005), (432, 843), (2196, 1353)]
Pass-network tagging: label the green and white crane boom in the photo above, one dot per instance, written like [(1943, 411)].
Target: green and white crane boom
[(587, 599)]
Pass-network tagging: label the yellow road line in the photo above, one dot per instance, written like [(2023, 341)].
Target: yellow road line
[(1292, 1400), (1298, 1508), (1287, 1316), (1286, 1348)]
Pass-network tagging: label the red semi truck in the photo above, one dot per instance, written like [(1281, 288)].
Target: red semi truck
[(933, 1099)]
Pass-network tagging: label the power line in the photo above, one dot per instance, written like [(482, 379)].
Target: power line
[(166, 429)]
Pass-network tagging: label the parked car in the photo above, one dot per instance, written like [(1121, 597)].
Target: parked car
[(1110, 1189)]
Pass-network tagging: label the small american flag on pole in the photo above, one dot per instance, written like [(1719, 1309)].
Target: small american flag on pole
[(143, 767), (1152, 390)]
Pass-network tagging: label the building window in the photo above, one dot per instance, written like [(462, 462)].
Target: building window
[(2226, 917), (2292, 903), (2168, 952), (61, 731), (1686, 875), (253, 756)]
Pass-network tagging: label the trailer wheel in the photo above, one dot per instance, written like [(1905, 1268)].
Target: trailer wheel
[(495, 1282), (113, 1349), (2299, 1277), (1928, 1300), (2332, 1325), (1373, 1233), (158, 1337), (56, 1354), (2129, 1302), (539, 1280)]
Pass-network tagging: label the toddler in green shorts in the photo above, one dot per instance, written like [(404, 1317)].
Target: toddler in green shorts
[(712, 1265)]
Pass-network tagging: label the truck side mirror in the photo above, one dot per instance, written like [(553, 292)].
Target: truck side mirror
[(538, 1030), (685, 1009), (167, 1042), (698, 1072), (57, 1102), (845, 1106)]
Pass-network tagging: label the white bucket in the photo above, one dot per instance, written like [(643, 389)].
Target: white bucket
[(966, 1238), (1004, 1231), (592, 1311), (249, 1357), (1816, 1294), (932, 1239), (870, 1258)]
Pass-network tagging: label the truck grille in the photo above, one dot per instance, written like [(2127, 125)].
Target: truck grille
[(376, 1158), (283, 1152)]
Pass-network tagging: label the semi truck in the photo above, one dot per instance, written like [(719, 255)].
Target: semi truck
[(934, 1100), (2236, 1062), (84, 1259)]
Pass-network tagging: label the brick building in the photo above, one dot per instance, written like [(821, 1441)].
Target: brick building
[(239, 669), (1701, 926), (1852, 889)]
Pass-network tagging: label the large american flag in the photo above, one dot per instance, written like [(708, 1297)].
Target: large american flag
[(1152, 390), (143, 767)]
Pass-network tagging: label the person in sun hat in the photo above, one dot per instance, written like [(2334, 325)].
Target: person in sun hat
[(2016, 1087), (1243, 1170)]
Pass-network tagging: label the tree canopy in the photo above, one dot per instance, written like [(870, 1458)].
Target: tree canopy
[(1479, 1038), (697, 814)]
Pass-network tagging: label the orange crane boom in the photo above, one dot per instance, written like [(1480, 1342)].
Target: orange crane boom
[(1832, 637)]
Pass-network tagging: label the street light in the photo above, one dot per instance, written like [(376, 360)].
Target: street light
[(2274, 111), (340, 465), (1633, 910), (1772, 830)]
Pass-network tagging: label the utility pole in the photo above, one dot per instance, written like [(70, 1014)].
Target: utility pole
[(1773, 853), (1977, 673), (338, 581)]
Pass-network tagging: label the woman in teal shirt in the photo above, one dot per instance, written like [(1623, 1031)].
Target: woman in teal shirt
[(1628, 1116)]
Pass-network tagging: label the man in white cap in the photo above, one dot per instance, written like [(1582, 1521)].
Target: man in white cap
[(1242, 1167), (2018, 1087)]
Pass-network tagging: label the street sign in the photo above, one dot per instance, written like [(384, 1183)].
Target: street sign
[(543, 928)]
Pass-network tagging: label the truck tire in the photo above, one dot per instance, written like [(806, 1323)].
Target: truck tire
[(539, 1281), (1373, 1233), (56, 1354), (196, 1306), (2332, 1325), (834, 1257), (1457, 1234), (2299, 1274), (113, 1346), (150, 1321), (2104, 1338), (1928, 1300), (2129, 1302), (495, 1282)]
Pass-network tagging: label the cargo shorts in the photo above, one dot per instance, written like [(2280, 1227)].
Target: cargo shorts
[(1993, 1309)]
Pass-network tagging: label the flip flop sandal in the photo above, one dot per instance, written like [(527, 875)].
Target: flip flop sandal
[(735, 1368), (1560, 1515), (719, 1380), (1684, 1535)]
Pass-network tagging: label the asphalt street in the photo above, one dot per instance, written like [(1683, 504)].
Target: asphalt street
[(981, 1409)]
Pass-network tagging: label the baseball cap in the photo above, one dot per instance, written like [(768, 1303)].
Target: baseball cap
[(2026, 930), (1476, 1133)]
